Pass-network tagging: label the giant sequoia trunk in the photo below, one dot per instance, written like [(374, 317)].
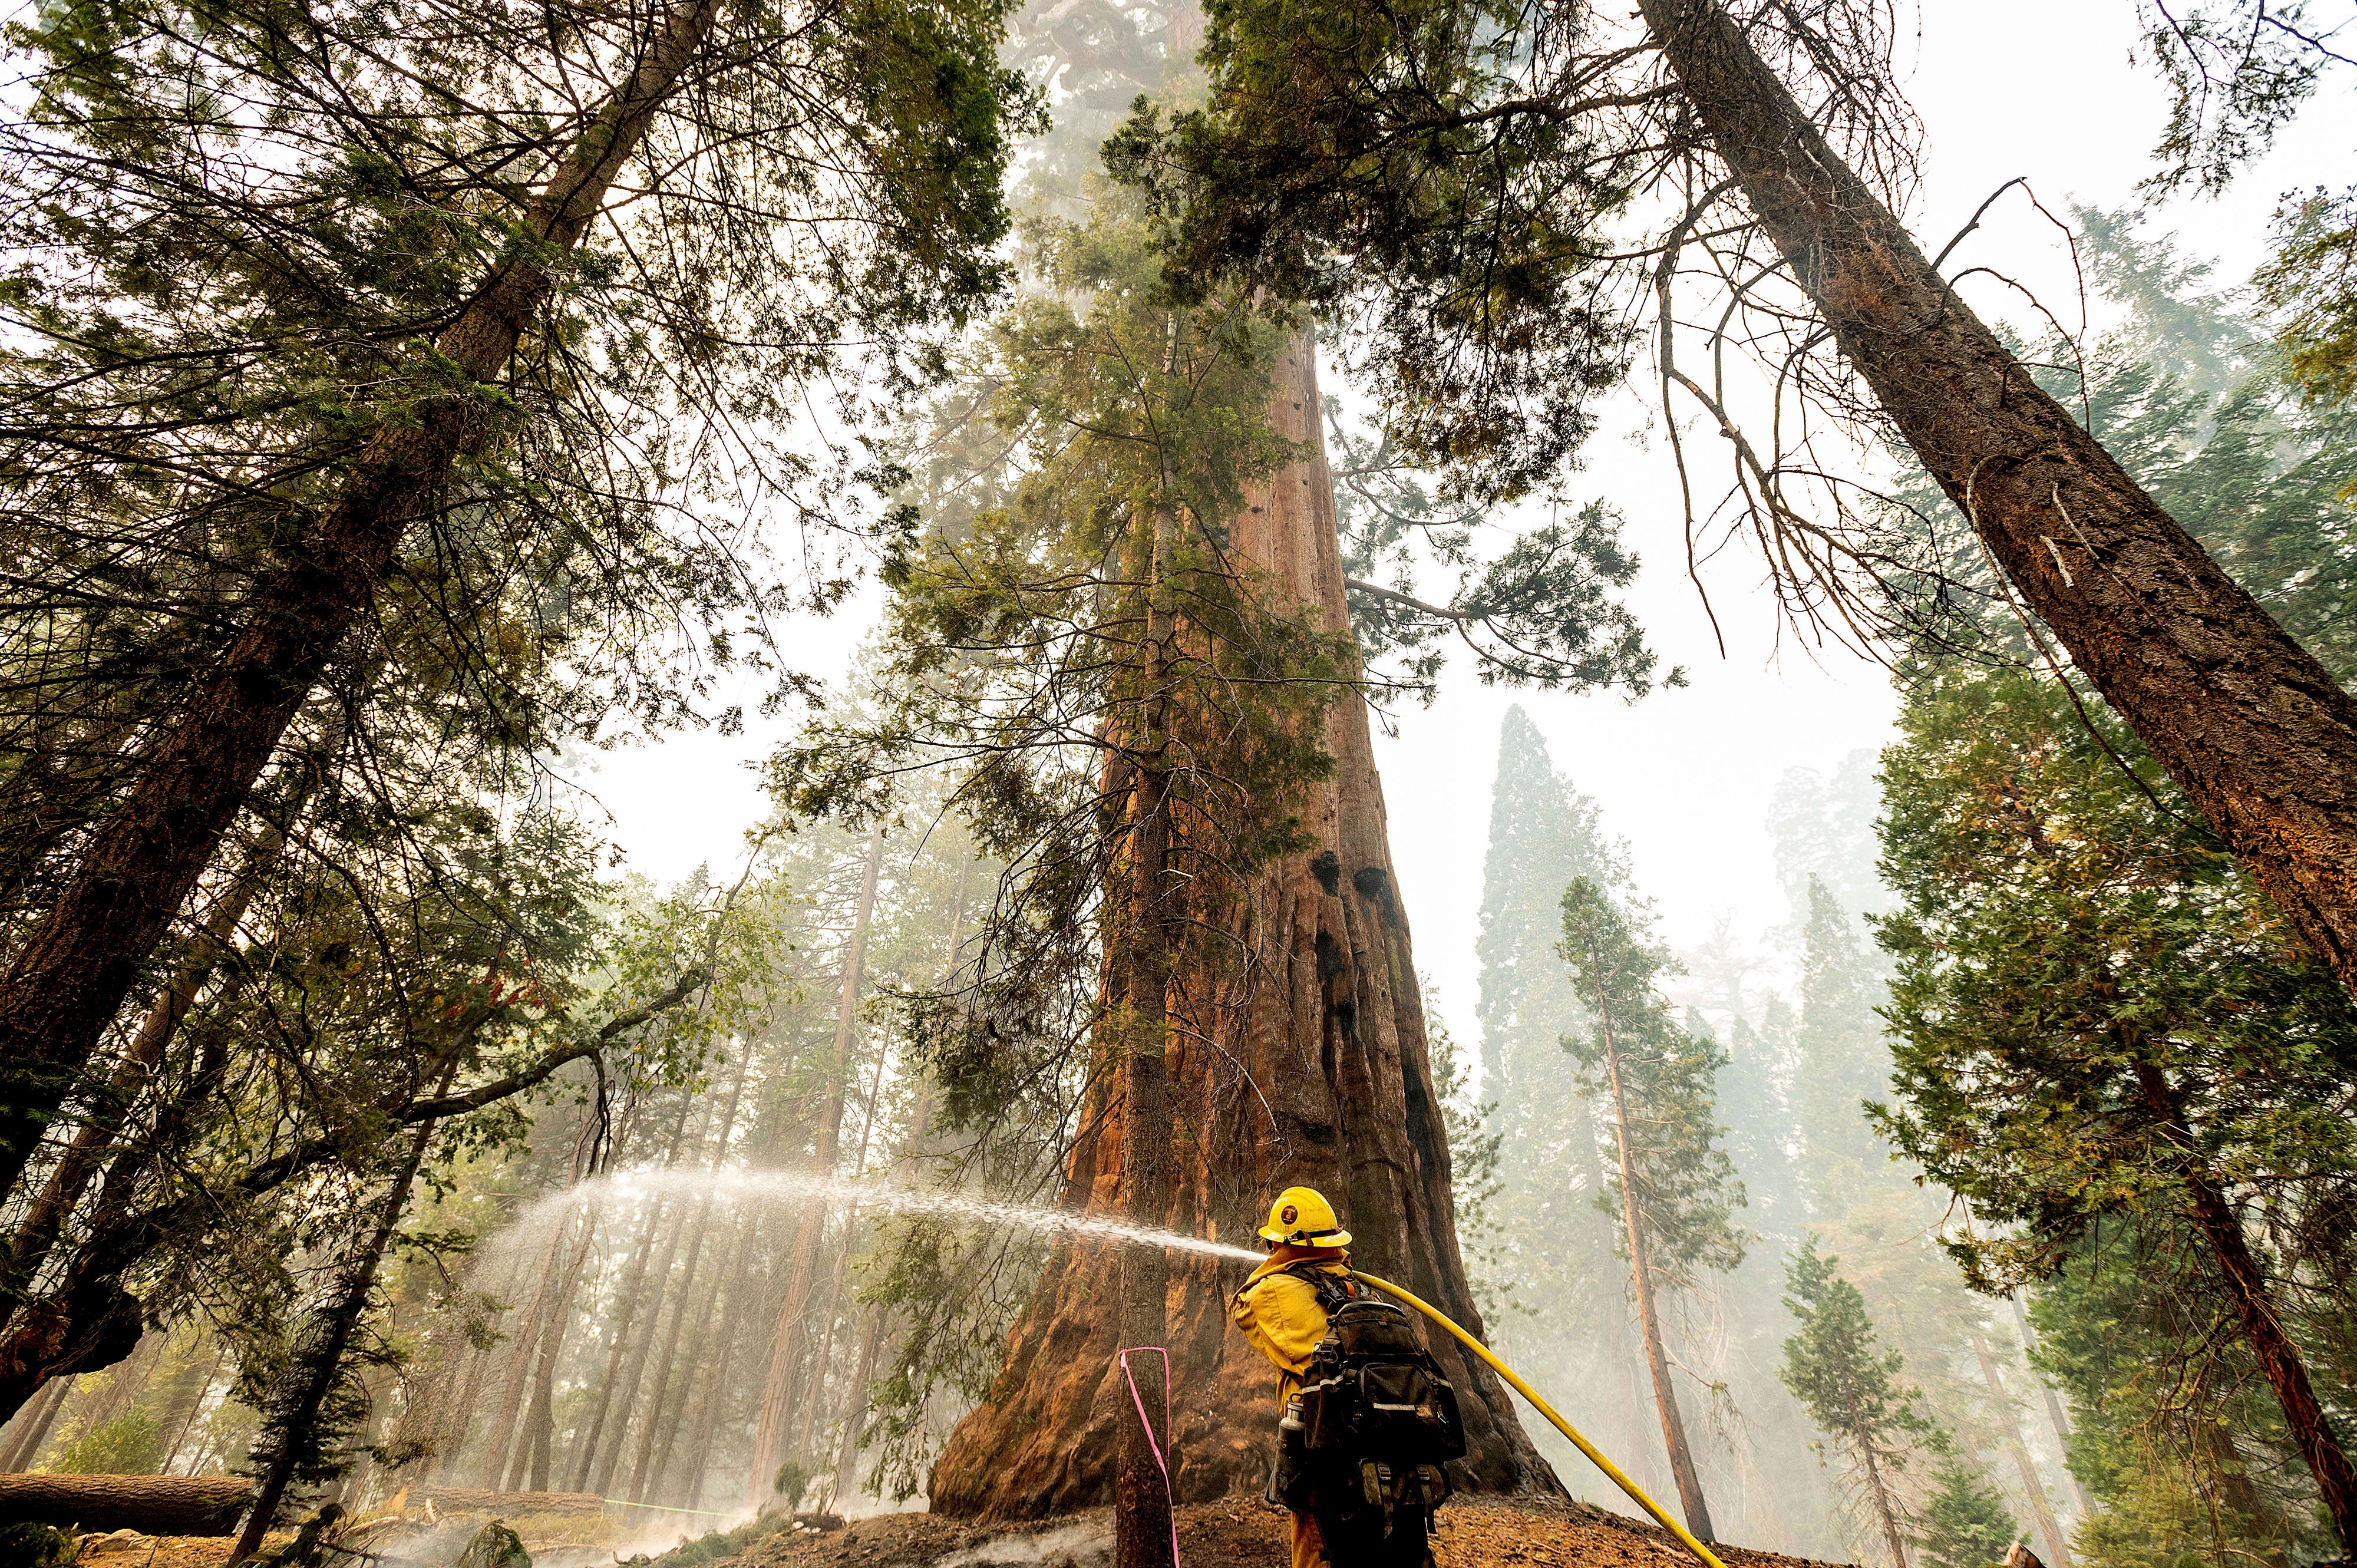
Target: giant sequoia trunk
[(1316, 1072), (2261, 738)]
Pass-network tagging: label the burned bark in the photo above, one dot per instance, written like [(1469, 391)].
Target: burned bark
[(1315, 1071), (2259, 736)]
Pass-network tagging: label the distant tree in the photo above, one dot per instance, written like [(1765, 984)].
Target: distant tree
[(1964, 1522), (1842, 1062), (1543, 833), (1833, 1366), (1822, 830), (1675, 1186)]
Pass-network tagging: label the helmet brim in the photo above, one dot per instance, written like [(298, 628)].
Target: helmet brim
[(1332, 1242)]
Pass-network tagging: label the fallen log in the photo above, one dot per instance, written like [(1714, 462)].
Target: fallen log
[(151, 1505), (505, 1505)]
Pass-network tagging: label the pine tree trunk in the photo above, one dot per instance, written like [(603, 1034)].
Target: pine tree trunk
[(1649, 1319), (68, 977), (181, 1421), (530, 1472), (631, 1342), (626, 1301), (32, 1424), (2256, 732), (1884, 1509), (2080, 1507), (1617, 1347), (319, 1372), (518, 1382), (1138, 1030), (642, 1343), (2042, 1511), (71, 1175), (153, 1505), (786, 1386), (742, 1303), (2278, 1358), (1315, 1071)]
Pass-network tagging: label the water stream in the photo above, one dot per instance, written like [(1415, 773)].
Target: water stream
[(873, 1193)]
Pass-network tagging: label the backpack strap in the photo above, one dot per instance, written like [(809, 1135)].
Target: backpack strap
[(1333, 1290)]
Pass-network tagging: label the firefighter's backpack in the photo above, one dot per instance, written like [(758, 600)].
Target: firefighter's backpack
[(1374, 1421)]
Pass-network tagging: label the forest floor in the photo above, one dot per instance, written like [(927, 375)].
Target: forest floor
[(1237, 1533)]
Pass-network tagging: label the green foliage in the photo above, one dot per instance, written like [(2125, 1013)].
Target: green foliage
[(252, 232), (2092, 1001), (2095, 1014), (2173, 1429), (2237, 72), (2311, 285), (1686, 1193), (494, 1546), (1356, 157), (791, 1482), (1965, 1524), (130, 1444), (36, 1546), (1538, 613)]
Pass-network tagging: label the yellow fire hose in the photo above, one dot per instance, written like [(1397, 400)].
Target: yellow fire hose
[(1702, 1552)]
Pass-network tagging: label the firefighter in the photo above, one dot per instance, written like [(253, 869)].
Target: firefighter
[(1279, 1310)]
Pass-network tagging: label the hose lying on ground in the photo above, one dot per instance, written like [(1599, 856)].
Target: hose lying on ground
[(1703, 1553)]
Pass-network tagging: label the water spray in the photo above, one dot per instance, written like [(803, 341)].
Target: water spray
[(899, 1198), (880, 1193)]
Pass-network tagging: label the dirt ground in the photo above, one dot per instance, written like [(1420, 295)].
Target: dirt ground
[(1239, 1532), (128, 1551)]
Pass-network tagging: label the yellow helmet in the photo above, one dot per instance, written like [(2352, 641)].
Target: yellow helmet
[(1302, 1217)]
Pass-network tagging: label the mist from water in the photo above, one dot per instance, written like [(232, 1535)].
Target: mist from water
[(881, 1194)]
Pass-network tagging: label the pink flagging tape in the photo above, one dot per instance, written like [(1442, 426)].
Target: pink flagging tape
[(1139, 1400)]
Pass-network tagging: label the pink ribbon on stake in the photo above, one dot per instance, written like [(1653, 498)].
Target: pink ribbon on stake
[(1139, 1400)]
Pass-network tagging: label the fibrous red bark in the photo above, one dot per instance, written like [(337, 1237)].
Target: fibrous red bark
[(1316, 1071)]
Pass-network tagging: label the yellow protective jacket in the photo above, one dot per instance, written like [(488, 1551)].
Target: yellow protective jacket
[(1279, 1312)]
